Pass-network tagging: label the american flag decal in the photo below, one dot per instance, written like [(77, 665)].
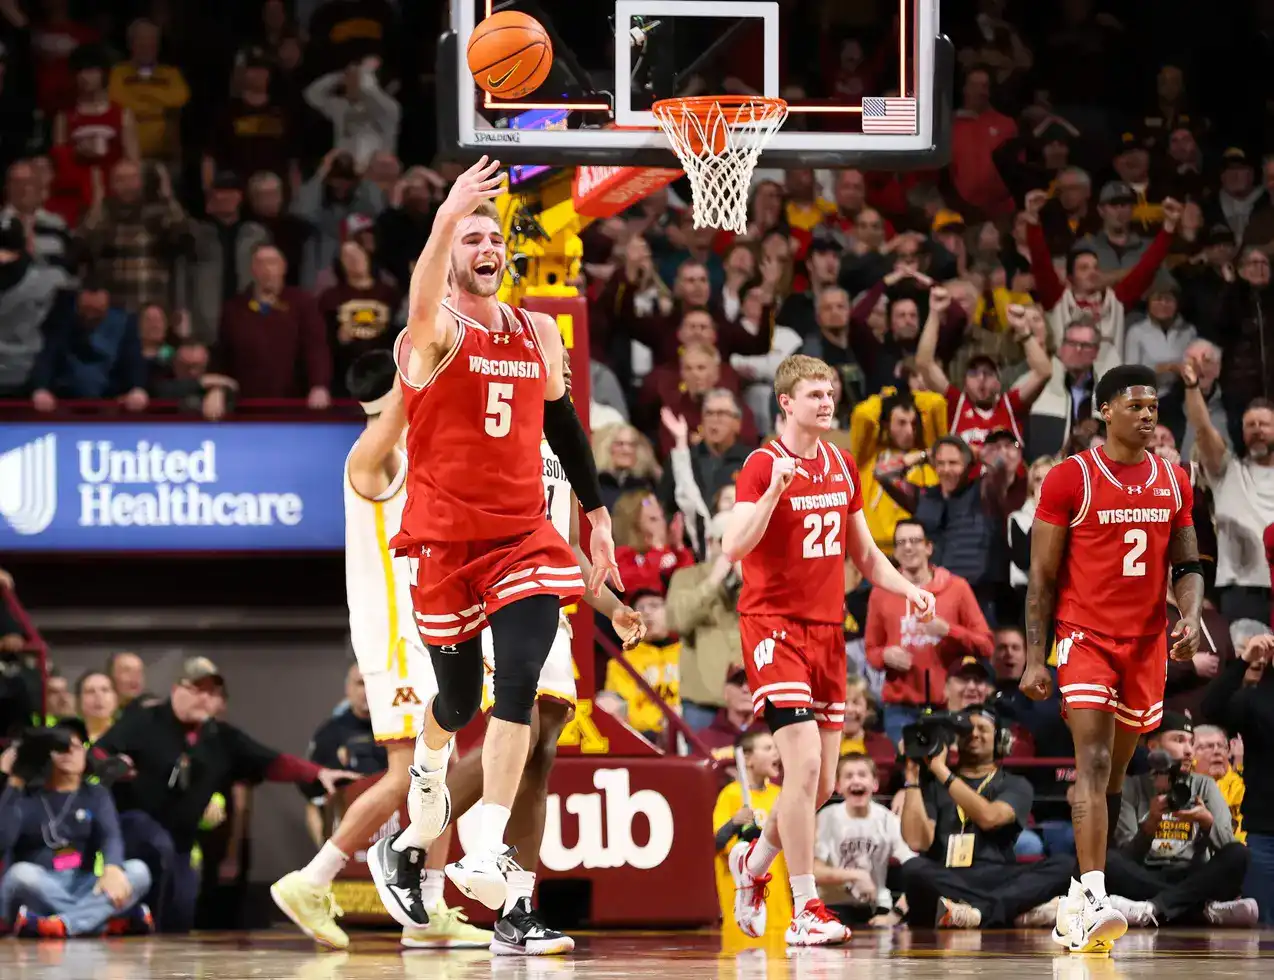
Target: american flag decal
[(889, 116)]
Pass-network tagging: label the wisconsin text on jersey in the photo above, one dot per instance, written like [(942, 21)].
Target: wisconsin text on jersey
[(503, 369), (819, 501), (1136, 515)]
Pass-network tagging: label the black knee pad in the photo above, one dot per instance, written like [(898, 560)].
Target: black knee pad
[(776, 718), (521, 634), (459, 672)]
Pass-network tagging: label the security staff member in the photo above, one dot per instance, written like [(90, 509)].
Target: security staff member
[(180, 756)]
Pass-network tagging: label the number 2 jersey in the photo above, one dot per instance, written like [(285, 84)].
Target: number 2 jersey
[(474, 428), (797, 569), (1114, 572)]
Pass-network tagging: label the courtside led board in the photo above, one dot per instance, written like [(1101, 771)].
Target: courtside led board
[(880, 96)]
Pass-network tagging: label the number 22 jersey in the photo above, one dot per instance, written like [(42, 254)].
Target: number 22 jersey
[(797, 569), (1114, 572)]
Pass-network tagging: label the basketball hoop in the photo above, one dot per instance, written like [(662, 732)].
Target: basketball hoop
[(718, 139)]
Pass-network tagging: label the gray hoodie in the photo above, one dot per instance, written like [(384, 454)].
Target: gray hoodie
[(23, 310)]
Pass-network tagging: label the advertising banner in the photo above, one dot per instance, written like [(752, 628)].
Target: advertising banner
[(146, 486)]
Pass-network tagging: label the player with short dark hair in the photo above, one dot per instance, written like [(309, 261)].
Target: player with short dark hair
[(1113, 526)]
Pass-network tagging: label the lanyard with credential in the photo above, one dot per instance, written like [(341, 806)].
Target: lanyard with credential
[(981, 786)]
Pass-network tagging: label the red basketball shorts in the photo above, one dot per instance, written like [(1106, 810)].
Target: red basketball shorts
[(1124, 676), (456, 585), (795, 664)]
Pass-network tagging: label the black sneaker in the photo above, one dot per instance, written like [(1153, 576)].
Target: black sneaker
[(521, 932), (397, 875)]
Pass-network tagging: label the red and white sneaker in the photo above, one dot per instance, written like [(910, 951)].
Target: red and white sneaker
[(749, 891), (814, 925)]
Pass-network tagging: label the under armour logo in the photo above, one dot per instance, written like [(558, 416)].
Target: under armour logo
[(1077, 636), (425, 552), (1134, 490), (501, 338), (779, 634), (450, 649)]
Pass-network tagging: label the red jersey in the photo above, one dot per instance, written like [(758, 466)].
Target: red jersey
[(474, 469), (1114, 573), (97, 138), (797, 569), (973, 424)]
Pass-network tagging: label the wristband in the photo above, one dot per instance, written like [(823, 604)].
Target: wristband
[(910, 785), (1191, 387), (946, 783)]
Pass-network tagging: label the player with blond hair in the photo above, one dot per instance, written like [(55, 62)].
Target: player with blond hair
[(798, 514)]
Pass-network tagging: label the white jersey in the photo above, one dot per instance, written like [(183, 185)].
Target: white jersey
[(866, 843), (376, 584), (557, 492)]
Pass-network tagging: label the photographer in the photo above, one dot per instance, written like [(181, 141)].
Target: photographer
[(964, 824), (181, 756), (52, 827), (1174, 855), (1241, 698)]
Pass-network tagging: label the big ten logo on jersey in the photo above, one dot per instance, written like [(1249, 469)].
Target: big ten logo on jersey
[(763, 653), (823, 523), (1064, 646), (583, 732), (604, 826)]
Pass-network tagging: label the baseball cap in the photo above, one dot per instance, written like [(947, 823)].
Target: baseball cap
[(226, 180), (1234, 157), (1000, 435), (1130, 140), (1220, 234), (947, 220), (1117, 192), (736, 675), (981, 360), (196, 670), (1175, 721), (824, 244), (355, 224), (974, 665)]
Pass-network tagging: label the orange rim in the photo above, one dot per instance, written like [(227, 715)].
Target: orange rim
[(702, 106)]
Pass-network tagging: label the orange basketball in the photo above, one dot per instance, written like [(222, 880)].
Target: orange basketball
[(510, 54)]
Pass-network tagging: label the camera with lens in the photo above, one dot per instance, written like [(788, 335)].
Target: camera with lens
[(1170, 780), (933, 733), (33, 762)]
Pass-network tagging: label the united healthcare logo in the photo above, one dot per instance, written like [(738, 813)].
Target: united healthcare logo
[(28, 485)]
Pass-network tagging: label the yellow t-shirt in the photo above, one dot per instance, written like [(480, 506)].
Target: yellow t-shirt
[(807, 217), (152, 98), (661, 668), (1232, 788), (778, 902)]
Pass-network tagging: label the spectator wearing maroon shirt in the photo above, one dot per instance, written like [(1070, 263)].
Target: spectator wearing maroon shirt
[(734, 720), (682, 391), (254, 131), (272, 340), (359, 311)]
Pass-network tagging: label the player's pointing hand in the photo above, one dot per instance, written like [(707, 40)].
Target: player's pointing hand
[(1185, 640), (601, 547), (781, 475), (481, 182)]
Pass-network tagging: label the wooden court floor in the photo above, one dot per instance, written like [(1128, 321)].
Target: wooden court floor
[(873, 955)]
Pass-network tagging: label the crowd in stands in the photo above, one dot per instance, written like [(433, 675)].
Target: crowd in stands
[(246, 234)]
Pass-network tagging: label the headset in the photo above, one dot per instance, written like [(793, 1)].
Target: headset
[(1002, 744)]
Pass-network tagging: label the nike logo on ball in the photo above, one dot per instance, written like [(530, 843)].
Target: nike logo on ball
[(499, 82)]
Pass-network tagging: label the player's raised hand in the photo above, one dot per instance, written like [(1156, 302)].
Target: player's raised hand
[(601, 551), (781, 475), (1037, 682), (629, 626), (1185, 640), (923, 602), (481, 182)]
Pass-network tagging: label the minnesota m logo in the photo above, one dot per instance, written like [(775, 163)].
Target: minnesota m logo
[(405, 695), (28, 485)]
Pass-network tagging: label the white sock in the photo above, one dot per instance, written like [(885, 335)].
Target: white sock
[(1094, 882), (325, 866), (521, 885), (1076, 893), (762, 856), (492, 819), (431, 888), (431, 760), (803, 890)]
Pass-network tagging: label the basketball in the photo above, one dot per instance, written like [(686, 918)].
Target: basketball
[(510, 54)]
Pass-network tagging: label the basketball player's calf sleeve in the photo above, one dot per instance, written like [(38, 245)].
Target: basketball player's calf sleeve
[(522, 634), (566, 437), (458, 670), (1114, 804)]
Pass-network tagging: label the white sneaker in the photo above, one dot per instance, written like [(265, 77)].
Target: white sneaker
[(429, 803), (1040, 916), (1140, 915), (1242, 912), (814, 925), (1096, 927), (957, 915), (480, 876), (749, 892), (1066, 916)]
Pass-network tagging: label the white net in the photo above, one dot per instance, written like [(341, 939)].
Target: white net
[(718, 141)]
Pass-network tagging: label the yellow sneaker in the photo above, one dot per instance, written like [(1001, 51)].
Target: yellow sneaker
[(313, 909), (448, 928)]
